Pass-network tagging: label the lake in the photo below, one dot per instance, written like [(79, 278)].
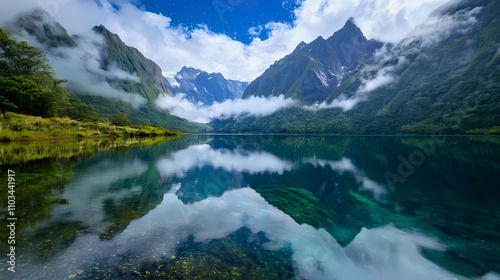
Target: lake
[(255, 207)]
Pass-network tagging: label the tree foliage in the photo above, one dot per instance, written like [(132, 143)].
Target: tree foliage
[(27, 82), (120, 119), (78, 110)]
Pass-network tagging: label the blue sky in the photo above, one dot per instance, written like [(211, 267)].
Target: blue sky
[(231, 17)]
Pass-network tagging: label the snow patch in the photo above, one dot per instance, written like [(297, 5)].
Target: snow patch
[(173, 82), (322, 77)]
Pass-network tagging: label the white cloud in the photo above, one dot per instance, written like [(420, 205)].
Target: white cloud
[(256, 106), (175, 46), (342, 102), (255, 30), (438, 28), (381, 78)]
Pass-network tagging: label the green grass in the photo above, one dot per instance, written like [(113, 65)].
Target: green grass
[(18, 127)]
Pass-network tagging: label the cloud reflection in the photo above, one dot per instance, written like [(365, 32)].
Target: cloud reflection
[(238, 160), (87, 193), (346, 165)]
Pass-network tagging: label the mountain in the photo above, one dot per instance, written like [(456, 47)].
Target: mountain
[(102, 71), (200, 86), (441, 79), (47, 31), (313, 70), (132, 61)]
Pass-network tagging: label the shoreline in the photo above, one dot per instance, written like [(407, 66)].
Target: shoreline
[(68, 138)]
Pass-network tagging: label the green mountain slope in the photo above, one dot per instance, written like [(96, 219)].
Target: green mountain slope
[(152, 83), (437, 82)]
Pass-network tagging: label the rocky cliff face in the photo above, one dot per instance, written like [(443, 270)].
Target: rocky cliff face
[(313, 70)]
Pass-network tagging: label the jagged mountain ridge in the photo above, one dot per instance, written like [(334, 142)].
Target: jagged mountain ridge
[(313, 70), (207, 88)]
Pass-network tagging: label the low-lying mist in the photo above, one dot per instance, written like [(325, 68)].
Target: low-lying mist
[(256, 106)]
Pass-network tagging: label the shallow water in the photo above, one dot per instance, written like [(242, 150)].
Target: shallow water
[(260, 207)]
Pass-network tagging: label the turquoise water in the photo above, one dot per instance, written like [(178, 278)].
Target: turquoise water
[(263, 207)]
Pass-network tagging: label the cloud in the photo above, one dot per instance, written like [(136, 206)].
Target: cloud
[(255, 30), (173, 47), (255, 106), (382, 78), (438, 28), (341, 101)]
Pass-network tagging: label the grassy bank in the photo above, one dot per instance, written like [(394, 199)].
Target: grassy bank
[(18, 127)]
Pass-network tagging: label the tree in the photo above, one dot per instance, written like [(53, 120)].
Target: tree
[(120, 119), (27, 82)]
